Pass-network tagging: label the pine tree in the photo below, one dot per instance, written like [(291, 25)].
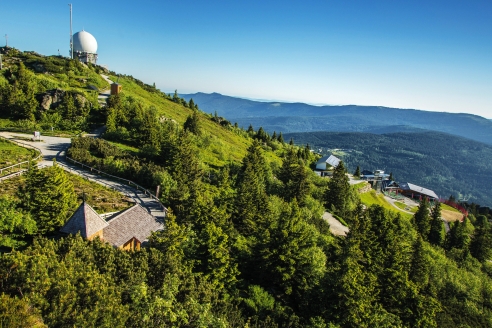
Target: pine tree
[(457, 237), (49, 196), (421, 219), (280, 138), (294, 176), (339, 194), (192, 123), (291, 142), (436, 232), (15, 225), (251, 204), (481, 243), (191, 104), (214, 259), (291, 262), (21, 98), (262, 135), (176, 98), (150, 132), (186, 172), (356, 286), (419, 271), (357, 172)]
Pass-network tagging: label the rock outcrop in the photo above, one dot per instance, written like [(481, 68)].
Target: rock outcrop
[(50, 99)]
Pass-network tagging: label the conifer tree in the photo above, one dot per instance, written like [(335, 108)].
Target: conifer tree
[(339, 194), (150, 131), (15, 225), (280, 137), (49, 196), (457, 237), (214, 259), (421, 219), (481, 243), (192, 123), (356, 286), (436, 232), (176, 98), (187, 173), (419, 271), (294, 177), (291, 262), (251, 204), (357, 172), (20, 97)]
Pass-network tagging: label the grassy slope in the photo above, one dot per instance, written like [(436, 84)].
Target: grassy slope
[(405, 206), (12, 154), (370, 198), (222, 144), (450, 214)]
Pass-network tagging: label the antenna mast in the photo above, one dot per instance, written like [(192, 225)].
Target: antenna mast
[(71, 35), (6, 41)]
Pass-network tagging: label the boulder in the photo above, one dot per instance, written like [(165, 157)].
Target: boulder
[(50, 99)]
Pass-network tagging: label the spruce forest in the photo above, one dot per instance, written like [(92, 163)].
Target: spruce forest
[(244, 243)]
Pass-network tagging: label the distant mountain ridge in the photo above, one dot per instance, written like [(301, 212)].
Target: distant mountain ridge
[(300, 117)]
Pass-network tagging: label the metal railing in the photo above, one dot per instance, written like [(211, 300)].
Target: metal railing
[(11, 167), (129, 182)]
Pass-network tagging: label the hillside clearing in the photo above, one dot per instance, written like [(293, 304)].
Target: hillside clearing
[(371, 198)]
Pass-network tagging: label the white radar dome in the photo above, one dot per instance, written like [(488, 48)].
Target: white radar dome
[(84, 42)]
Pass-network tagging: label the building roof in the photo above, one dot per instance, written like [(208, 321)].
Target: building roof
[(414, 188), (330, 159), (84, 220), (133, 222), (389, 184)]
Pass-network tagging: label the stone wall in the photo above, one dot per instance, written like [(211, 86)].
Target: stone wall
[(365, 188)]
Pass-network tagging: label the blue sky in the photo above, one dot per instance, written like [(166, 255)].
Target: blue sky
[(430, 55)]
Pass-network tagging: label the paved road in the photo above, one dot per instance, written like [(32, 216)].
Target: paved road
[(55, 147)]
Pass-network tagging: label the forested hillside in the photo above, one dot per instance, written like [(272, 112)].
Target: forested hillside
[(244, 244), (447, 164), (299, 117)]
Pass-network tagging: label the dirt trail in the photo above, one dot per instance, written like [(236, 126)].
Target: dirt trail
[(336, 227)]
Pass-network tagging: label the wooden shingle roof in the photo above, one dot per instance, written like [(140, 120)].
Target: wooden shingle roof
[(84, 220), (133, 222)]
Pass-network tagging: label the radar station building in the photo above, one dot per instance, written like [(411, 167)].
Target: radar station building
[(85, 47)]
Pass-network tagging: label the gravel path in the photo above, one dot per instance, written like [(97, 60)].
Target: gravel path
[(336, 227), (103, 95)]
